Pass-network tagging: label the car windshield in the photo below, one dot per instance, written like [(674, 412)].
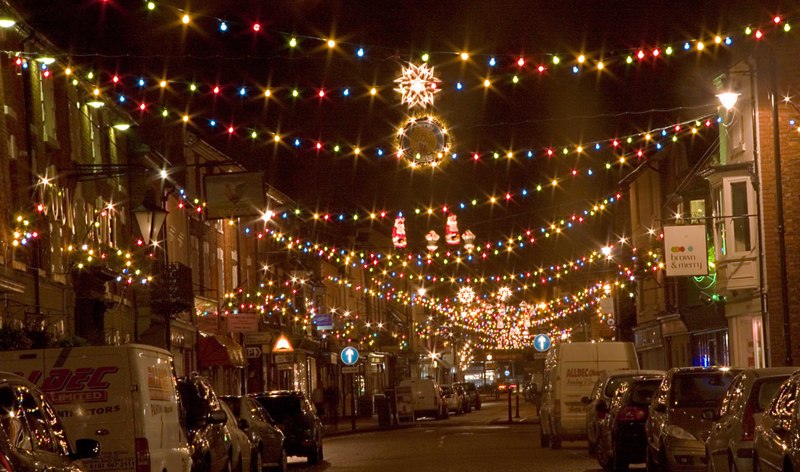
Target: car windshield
[(281, 408), (699, 389), (468, 386), (642, 391), (447, 390), (764, 391)]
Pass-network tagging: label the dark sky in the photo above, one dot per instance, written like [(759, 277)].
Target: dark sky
[(556, 109)]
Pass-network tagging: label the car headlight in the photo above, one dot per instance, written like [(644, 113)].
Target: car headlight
[(679, 433)]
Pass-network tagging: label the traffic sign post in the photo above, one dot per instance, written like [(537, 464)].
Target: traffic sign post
[(542, 342)]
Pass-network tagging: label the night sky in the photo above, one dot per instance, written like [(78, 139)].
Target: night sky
[(551, 109)]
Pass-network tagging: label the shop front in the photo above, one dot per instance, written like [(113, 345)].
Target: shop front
[(221, 359)]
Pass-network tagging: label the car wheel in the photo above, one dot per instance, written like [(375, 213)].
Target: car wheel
[(731, 463), (591, 448), (649, 462), (478, 406), (284, 463), (314, 456), (555, 442), (257, 462), (239, 465), (544, 439), (229, 464), (662, 460)]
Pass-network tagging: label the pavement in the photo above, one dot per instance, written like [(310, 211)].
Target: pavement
[(496, 409)]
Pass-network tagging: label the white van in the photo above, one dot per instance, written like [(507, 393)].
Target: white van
[(420, 397), (122, 396), (570, 372)]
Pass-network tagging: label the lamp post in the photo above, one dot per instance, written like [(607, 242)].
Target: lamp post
[(150, 219)]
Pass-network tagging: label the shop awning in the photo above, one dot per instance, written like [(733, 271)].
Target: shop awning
[(218, 350)]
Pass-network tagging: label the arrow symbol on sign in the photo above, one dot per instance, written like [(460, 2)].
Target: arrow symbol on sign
[(349, 355)]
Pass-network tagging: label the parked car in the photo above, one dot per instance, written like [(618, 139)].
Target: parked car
[(777, 438), (473, 394), (677, 426), (32, 437), (730, 445), (242, 449), (597, 403), (620, 436), (422, 397), (466, 404), (452, 399), (571, 370), (205, 421), (256, 422), (129, 391), (297, 419)]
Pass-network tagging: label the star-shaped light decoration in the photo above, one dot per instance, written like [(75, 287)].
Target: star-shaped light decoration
[(466, 295), (417, 85)]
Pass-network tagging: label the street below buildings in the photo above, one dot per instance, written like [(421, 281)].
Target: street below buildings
[(477, 441)]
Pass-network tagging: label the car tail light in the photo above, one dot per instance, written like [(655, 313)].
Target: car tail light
[(631, 413), (142, 455), (748, 424), (5, 466)]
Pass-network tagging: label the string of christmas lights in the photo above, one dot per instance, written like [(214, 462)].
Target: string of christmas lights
[(297, 45)]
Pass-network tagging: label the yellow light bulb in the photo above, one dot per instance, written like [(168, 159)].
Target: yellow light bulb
[(581, 59), (186, 19), (331, 43), (464, 56), (487, 83)]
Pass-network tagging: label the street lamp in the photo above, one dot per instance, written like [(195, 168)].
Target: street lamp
[(728, 100), (150, 218)]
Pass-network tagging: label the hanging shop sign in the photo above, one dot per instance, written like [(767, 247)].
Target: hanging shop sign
[(685, 250), (243, 322), (236, 194)]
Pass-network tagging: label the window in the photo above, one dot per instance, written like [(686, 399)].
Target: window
[(719, 222), (220, 272), (697, 211), (784, 402), (48, 109), (740, 216)]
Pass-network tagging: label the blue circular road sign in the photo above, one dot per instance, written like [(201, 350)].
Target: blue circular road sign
[(542, 342), (349, 355)]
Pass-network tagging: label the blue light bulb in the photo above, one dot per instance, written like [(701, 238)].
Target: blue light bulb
[(459, 86), (223, 26), (346, 92), (360, 52), (492, 62)]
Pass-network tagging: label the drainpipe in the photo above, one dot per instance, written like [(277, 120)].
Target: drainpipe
[(776, 143)]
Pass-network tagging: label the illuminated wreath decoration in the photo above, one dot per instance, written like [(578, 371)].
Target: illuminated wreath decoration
[(423, 140)]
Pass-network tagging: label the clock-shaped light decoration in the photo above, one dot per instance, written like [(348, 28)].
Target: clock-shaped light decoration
[(417, 85)]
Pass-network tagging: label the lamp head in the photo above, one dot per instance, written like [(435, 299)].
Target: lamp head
[(728, 99)]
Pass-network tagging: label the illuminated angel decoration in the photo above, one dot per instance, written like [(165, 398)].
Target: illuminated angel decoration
[(417, 85)]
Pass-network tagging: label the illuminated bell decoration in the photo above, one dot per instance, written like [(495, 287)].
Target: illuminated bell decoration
[(432, 239), (451, 235), (469, 240), (399, 233), (423, 141)]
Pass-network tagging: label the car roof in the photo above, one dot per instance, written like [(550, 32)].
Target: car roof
[(711, 369), (632, 372), (8, 377), (771, 371), (279, 393)]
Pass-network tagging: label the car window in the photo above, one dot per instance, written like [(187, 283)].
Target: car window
[(613, 384), (280, 408), (732, 395), (784, 403), (764, 391), (616, 400), (38, 421), (256, 410), (447, 391), (11, 419), (699, 389), (234, 404), (641, 393)]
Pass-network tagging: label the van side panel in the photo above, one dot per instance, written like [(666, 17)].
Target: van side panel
[(156, 397), (90, 391), (575, 367)]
